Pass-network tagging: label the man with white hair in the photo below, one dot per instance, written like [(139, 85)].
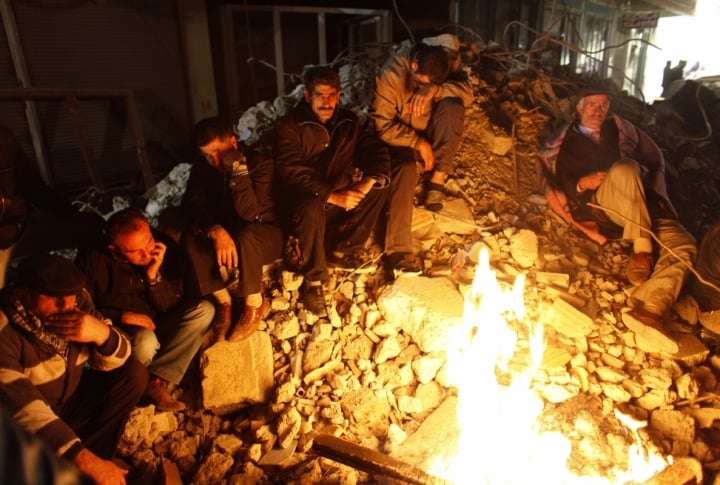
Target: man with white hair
[(606, 177)]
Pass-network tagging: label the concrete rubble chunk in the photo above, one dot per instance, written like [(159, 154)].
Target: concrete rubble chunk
[(568, 320), (524, 248), (673, 424), (425, 318), (235, 375)]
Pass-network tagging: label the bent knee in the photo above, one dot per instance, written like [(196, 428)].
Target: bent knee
[(625, 168), (145, 345), (201, 314)]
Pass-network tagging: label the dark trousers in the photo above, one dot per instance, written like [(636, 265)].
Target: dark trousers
[(444, 131), (321, 227), (257, 244), (99, 408), (399, 208)]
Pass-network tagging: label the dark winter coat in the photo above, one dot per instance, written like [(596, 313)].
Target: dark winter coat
[(214, 198), (117, 286), (313, 159)]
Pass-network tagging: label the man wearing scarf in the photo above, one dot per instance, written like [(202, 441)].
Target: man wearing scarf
[(65, 371)]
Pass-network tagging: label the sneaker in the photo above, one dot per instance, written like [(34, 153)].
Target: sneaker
[(396, 265), (639, 268), (315, 298), (351, 263), (435, 200), (157, 393), (650, 334), (249, 321)]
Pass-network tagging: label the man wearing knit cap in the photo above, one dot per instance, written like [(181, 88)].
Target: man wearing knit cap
[(65, 371), (606, 177)]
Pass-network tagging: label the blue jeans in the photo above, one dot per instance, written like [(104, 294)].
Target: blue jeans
[(168, 351)]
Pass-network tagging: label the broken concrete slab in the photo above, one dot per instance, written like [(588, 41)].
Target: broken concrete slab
[(238, 374)]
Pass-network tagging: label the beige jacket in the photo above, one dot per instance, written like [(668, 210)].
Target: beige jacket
[(394, 87)]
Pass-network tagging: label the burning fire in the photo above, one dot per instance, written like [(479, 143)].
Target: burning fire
[(500, 441)]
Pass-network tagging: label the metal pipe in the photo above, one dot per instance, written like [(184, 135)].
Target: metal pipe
[(371, 461)]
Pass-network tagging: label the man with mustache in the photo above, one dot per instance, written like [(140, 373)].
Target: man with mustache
[(603, 160), (333, 172), (66, 375)]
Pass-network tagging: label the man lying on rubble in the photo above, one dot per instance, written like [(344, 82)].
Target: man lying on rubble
[(65, 371), (137, 279), (604, 160), (334, 173), (232, 224)]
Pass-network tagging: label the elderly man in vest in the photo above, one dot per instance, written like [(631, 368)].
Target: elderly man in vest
[(606, 177)]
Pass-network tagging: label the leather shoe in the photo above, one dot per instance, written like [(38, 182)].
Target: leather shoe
[(157, 393), (249, 321), (639, 268)]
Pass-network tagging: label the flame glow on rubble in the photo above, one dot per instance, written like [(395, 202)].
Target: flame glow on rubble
[(499, 438)]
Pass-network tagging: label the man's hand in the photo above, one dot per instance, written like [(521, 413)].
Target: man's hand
[(102, 472), (234, 161), (225, 250), (591, 181), (138, 320), (557, 200), (422, 98), (427, 155), (157, 254), (78, 326), (365, 185), (347, 198)]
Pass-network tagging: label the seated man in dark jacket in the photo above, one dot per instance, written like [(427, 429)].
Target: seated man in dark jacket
[(233, 224), (34, 218), (65, 372), (334, 173), (138, 279)]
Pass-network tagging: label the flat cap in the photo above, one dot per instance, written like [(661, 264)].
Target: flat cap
[(595, 89), (50, 275)]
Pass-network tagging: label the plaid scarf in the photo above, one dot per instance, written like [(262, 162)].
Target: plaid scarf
[(26, 321)]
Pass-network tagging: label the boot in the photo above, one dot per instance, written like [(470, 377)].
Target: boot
[(221, 322), (157, 393)]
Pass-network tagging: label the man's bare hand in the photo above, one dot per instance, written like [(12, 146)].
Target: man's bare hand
[(591, 230), (427, 155), (348, 198), (557, 200), (421, 100), (78, 326), (138, 320), (157, 255), (225, 250), (591, 181), (102, 472), (365, 185)]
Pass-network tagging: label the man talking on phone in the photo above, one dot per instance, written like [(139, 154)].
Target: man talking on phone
[(137, 280)]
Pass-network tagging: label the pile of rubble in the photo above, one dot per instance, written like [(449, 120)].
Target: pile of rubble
[(374, 372)]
